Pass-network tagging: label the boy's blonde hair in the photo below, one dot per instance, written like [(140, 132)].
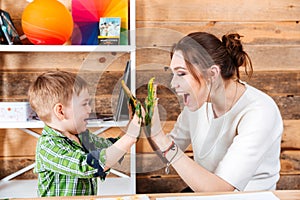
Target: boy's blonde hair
[(51, 88)]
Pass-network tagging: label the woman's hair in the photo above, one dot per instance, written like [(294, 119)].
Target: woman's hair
[(51, 88), (204, 50)]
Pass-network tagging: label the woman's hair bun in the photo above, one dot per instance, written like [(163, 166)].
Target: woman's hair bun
[(234, 47), (233, 44)]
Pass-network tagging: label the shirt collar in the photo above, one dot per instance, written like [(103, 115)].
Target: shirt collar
[(51, 132)]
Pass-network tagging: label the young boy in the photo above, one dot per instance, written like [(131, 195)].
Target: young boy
[(68, 156)]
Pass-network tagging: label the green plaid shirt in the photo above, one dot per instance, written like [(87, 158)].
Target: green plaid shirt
[(66, 168)]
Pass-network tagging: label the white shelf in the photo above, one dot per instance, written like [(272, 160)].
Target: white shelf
[(67, 48), (28, 188), (124, 185), (40, 124)]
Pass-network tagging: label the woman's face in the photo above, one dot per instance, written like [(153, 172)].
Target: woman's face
[(194, 92)]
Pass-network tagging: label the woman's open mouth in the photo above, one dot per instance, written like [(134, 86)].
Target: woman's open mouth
[(185, 96)]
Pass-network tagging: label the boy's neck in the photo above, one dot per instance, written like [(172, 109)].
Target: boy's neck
[(69, 135)]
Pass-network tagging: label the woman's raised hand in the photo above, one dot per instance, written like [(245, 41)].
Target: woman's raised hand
[(156, 127)]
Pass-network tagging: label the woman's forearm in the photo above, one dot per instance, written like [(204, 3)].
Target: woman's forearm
[(198, 178), (161, 140), (194, 175)]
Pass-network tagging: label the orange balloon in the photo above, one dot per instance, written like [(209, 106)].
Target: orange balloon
[(47, 22)]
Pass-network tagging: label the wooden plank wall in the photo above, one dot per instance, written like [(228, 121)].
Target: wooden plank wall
[(271, 33)]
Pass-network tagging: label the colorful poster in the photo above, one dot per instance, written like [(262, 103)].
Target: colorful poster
[(86, 15)]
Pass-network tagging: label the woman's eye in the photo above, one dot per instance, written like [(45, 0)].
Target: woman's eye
[(181, 73)]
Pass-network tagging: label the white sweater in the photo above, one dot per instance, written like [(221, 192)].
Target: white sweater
[(242, 146)]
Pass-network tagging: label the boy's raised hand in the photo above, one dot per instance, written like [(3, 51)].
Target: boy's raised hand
[(134, 127)]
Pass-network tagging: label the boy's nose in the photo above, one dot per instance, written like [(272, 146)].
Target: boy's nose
[(89, 110)]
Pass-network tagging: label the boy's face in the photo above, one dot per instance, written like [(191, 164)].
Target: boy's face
[(77, 112)]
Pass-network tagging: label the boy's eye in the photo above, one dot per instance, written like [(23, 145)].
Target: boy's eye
[(87, 103), (90, 102)]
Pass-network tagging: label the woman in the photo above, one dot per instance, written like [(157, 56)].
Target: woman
[(235, 130)]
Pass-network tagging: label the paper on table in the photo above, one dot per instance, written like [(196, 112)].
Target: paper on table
[(237, 196), (134, 197)]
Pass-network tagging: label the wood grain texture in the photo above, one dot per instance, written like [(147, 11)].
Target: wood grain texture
[(291, 136), (166, 184), (229, 10), (282, 86), (264, 57), (271, 31), (290, 162), (159, 184), (14, 142), (77, 61), (160, 33), (289, 182), (13, 164)]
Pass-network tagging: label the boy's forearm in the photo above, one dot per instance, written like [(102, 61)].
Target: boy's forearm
[(115, 152)]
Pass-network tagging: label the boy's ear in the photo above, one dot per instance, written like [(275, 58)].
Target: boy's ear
[(58, 111)]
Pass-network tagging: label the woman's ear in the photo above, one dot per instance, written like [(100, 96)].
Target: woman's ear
[(58, 111), (214, 72)]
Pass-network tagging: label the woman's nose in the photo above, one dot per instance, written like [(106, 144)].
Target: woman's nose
[(174, 84)]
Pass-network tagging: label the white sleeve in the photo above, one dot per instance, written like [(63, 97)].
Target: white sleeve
[(181, 132), (258, 132)]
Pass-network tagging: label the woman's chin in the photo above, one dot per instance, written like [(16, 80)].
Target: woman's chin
[(193, 107)]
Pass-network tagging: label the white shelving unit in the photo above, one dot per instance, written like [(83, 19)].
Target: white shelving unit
[(111, 186), (67, 48), (123, 184)]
